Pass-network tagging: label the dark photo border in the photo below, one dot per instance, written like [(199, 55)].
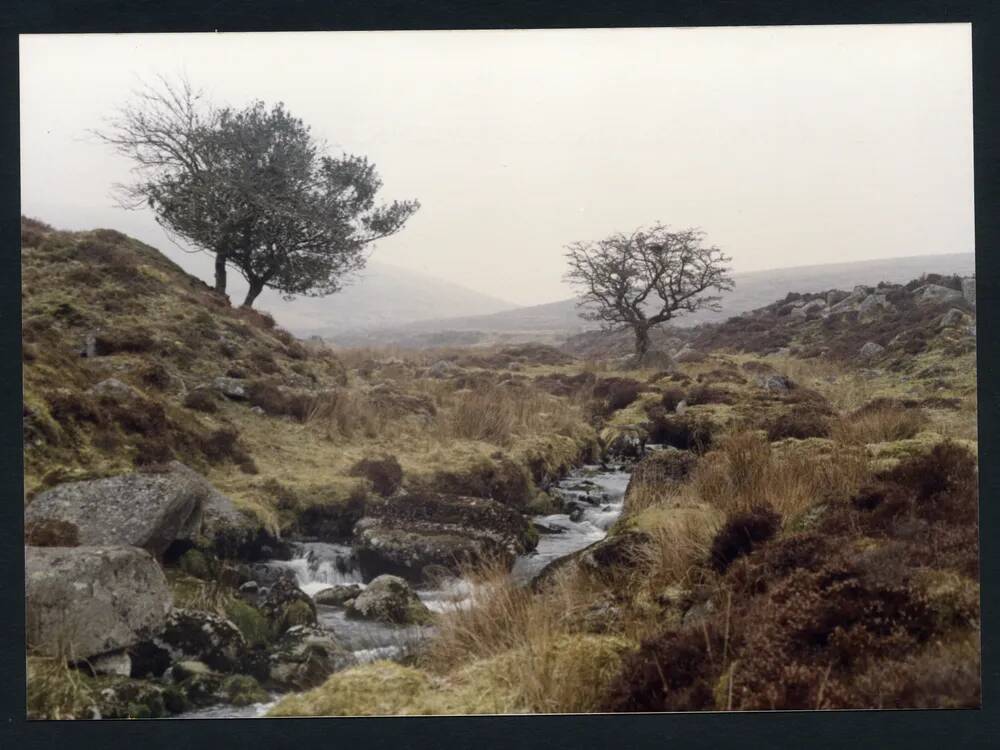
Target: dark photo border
[(833, 729)]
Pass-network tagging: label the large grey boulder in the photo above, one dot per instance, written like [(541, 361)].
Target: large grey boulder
[(86, 601), (389, 599), (435, 529), (870, 350), (938, 293), (954, 318), (873, 305), (969, 290), (191, 635), (836, 295), (232, 388), (148, 510), (304, 657)]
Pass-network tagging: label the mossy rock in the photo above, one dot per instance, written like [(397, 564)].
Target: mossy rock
[(243, 690)]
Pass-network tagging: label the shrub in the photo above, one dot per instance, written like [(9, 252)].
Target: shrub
[(152, 451), (671, 672), (223, 444), (128, 340), (882, 420), (278, 402), (708, 394), (741, 534), (800, 423), (617, 393), (194, 563), (156, 375), (672, 396), (685, 432), (202, 399), (385, 473)]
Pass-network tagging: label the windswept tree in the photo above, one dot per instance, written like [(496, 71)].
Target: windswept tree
[(641, 280), (253, 187)]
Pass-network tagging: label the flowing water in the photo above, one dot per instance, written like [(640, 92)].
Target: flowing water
[(593, 497)]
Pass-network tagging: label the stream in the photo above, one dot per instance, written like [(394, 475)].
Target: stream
[(593, 497)]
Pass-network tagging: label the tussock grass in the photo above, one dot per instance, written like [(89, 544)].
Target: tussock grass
[(745, 472), (521, 644), (880, 423), (57, 690), (500, 414)]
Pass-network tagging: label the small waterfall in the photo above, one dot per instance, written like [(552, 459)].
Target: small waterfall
[(319, 565)]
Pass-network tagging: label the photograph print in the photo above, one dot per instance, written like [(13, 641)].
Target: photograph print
[(499, 372)]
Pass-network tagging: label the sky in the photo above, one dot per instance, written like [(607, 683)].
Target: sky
[(786, 146)]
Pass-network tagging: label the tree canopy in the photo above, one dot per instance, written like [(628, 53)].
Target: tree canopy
[(646, 278), (253, 187)]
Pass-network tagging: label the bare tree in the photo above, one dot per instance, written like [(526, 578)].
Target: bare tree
[(253, 187), (641, 280)]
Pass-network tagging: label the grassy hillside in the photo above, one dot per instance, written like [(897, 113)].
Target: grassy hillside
[(807, 539), (553, 321), (304, 420)]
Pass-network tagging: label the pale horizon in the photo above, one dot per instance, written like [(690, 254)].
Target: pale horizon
[(791, 146)]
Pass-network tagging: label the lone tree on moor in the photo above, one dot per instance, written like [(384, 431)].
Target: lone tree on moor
[(253, 187), (641, 280)]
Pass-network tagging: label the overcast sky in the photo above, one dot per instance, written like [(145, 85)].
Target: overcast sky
[(787, 146)]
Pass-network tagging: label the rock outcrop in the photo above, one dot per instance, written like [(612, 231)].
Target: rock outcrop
[(389, 599), (151, 509), (147, 510), (87, 601), (190, 635), (406, 535), (304, 657)]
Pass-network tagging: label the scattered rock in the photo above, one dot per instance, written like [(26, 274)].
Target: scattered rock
[(231, 388), (937, 293), (114, 663), (86, 601), (338, 596), (304, 657), (874, 305), (205, 637), (116, 390), (442, 369), (870, 351), (836, 295), (390, 599), (774, 383), (285, 605), (430, 528), (953, 319)]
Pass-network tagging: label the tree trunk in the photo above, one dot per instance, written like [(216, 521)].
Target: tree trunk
[(641, 341), (256, 287), (220, 273)]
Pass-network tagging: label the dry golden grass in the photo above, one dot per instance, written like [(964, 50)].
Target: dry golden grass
[(745, 472), (499, 414), (521, 643), (681, 538), (56, 690), (878, 425)]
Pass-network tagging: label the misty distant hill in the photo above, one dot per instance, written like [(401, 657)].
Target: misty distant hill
[(381, 296), (558, 319)]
